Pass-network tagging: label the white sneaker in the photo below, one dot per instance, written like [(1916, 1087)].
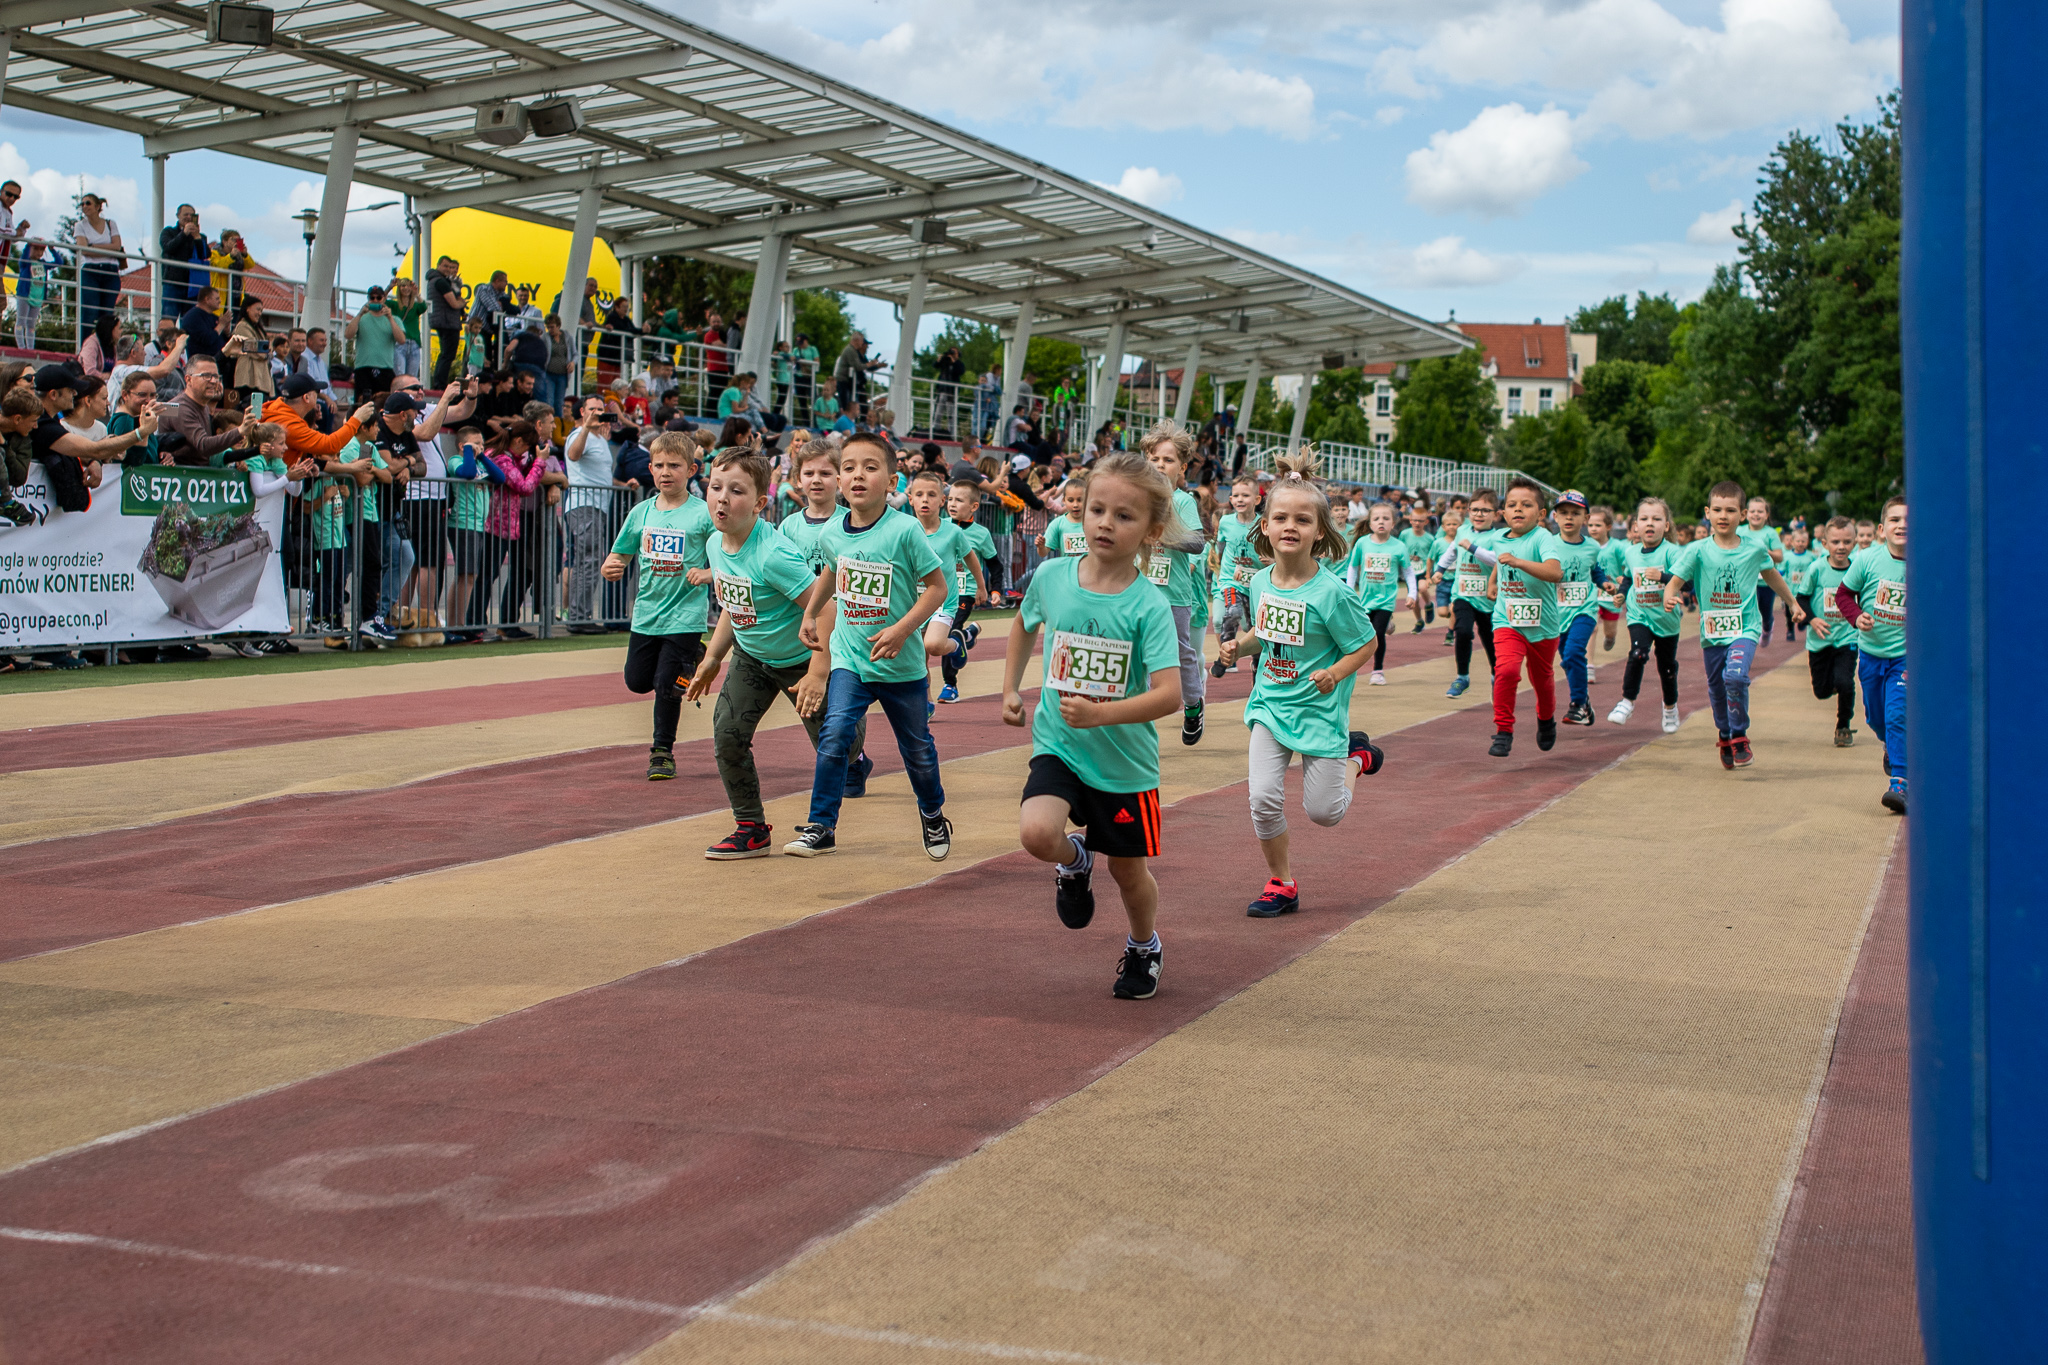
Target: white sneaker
[(1378, 679), (1623, 709), (1670, 720), (1592, 673)]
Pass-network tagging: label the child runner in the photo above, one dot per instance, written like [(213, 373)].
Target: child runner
[(1756, 529), (1872, 599), (884, 584), (1652, 629), (1866, 535), (1528, 563), (817, 474), (970, 582), (667, 533), (1440, 584), (1094, 749), (1724, 569), (1169, 448), (1064, 536), (762, 583), (1578, 603), (1600, 526), (1418, 539), (1314, 635), (942, 638), (1472, 591), (1236, 562), (1376, 567), (1830, 642), (1799, 557)]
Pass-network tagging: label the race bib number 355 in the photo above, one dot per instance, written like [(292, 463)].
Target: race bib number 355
[(1088, 665), (1282, 621), (865, 583)]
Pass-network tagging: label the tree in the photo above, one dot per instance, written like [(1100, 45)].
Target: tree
[(1643, 335), (689, 286), (1618, 392), (1446, 408), (981, 348), (1052, 359), (1610, 473), (822, 316), (1550, 446)]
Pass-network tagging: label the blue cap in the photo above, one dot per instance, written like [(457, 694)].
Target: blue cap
[(1571, 497)]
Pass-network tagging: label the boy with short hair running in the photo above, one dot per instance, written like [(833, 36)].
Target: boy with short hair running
[(963, 497), (817, 478), (1312, 634), (1724, 570), (1800, 555), (1472, 586), (668, 534), (1439, 584), (762, 583), (885, 582), (1168, 447), (944, 634), (1418, 540), (1527, 562), (1872, 599), (1376, 567), (1600, 521), (1831, 654), (1236, 562), (1646, 561), (1756, 529), (1578, 604), (1094, 748)]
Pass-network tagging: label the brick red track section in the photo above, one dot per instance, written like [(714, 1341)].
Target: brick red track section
[(738, 1105), (1841, 1288)]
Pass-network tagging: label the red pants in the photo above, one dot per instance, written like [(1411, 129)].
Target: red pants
[(1510, 651)]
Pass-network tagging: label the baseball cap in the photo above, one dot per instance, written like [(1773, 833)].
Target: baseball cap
[(403, 402), (298, 386), (1571, 497), (1020, 463), (53, 377)]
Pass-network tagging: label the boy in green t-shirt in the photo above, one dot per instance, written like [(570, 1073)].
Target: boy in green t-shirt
[(1872, 596), (1756, 529), (1578, 599), (668, 534), (1600, 523), (1168, 448), (1472, 585), (1723, 569), (817, 477), (883, 584), (963, 498), (1419, 541), (944, 634), (1236, 561), (1831, 654), (1527, 561)]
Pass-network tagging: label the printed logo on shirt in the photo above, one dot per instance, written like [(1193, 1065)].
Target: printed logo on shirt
[(864, 583), (1282, 620), (1088, 665), (736, 599), (663, 551), (1890, 601)]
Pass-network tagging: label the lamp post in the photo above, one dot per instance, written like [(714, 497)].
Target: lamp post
[(309, 225)]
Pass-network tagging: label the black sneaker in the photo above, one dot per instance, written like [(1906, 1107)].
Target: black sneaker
[(1845, 738), (1450, 637), (1137, 974), (1578, 713), (1739, 750), (1276, 900), (1217, 670), (1418, 629), (1546, 733), (750, 840), (661, 765), (811, 841), (1894, 800), (1886, 759), (1727, 753), (1191, 725), (1503, 743), (1074, 897), (938, 836), (857, 776), (1370, 759)]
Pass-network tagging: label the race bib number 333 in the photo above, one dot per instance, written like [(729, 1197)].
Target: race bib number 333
[(865, 583), (1282, 621), (1088, 665)]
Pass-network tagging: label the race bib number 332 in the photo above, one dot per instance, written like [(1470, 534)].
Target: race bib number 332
[(1282, 621), (1088, 665)]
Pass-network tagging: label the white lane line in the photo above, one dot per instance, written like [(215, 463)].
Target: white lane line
[(990, 1349)]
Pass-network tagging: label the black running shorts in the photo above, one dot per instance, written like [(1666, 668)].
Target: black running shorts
[(1118, 824)]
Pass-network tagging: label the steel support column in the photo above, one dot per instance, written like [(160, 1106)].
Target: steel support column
[(1111, 383), (1308, 383), (902, 399), (589, 200), (1189, 368), (341, 169), (1013, 363), (764, 307), (153, 242)]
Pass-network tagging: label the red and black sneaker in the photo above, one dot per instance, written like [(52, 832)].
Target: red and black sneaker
[(1370, 759), (1741, 754), (1728, 753), (1279, 898), (750, 840)]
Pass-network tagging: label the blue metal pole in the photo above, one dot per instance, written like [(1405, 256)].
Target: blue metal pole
[(1974, 290)]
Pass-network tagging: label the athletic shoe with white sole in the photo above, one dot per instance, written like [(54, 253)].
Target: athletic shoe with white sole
[(1670, 720), (1378, 679), (750, 840), (1073, 896), (938, 836), (1191, 724), (1137, 974), (1623, 709), (812, 841)]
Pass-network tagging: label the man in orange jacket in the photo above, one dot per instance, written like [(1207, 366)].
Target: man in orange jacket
[(296, 398)]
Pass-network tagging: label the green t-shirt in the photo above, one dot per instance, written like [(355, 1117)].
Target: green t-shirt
[(1766, 536), (669, 544), (1725, 582), (761, 590), (1378, 567), (1419, 545), (984, 546), (1822, 578), (1301, 631), (880, 571), (799, 530), (1795, 566), (375, 345), (1098, 645), (1528, 604), (951, 543), (1182, 589), (1646, 571), (1065, 537), (1613, 562), (1237, 561), (374, 494), (1878, 578), (1576, 595), (1468, 583), (469, 500), (330, 518)]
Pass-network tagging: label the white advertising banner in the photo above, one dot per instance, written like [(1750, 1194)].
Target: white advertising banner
[(164, 553)]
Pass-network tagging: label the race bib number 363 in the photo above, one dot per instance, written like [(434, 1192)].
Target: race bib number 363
[(1282, 621), (1523, 613), (865, 583), (1088, 665)]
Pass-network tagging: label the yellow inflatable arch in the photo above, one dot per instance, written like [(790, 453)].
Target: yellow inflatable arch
[(528, 253)]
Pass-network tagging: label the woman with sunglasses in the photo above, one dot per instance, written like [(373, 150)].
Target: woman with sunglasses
[(97, 240)]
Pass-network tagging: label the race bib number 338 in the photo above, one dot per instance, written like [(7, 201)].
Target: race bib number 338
[(1282, 621), (865, 583), (1088, 665)]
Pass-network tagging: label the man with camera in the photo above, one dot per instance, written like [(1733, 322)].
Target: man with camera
[(377, 334)]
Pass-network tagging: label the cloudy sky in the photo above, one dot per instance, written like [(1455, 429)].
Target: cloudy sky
[(1506, 159)]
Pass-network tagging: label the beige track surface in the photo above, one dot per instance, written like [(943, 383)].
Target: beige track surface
[(1538, 1108)]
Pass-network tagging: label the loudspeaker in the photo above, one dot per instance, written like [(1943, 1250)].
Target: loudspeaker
[(928, 231), (557, 118), (248, 25), (1334, 360), (501, 125)]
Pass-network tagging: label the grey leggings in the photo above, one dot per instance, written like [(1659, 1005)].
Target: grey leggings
[(1194, 677), (1323, 794), (588, 545)]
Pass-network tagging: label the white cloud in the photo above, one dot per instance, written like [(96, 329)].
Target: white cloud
[(1147, 185), (1390, 115), (1715, 227), (1494, 165), (47, 195), (1197, 90), (1447, 263)]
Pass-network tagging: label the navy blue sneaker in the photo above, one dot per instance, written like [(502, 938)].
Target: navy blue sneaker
[(1276, 900), (1458, 687), (1370, 759), (1895, 799), (857, 776)]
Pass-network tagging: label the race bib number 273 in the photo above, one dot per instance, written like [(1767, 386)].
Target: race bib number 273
[(864, 583)]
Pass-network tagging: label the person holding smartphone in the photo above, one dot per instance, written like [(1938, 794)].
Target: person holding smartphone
[(377, 334)]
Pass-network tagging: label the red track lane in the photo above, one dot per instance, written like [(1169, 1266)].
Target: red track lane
[(1842, 1284), (713, 1116)]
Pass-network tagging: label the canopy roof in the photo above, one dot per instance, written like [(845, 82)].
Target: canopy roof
[(700, 145)]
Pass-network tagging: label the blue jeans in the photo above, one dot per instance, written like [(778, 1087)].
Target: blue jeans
[(847, 699), (1884, 704), (1443, 593), (552, 389), (398, 559), (1767, 603), (1728, 684), (1571, 652), (405, 359)]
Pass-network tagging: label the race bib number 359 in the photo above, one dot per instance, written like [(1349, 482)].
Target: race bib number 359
[(1088, 665), (1282, 621), (865, 583)]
